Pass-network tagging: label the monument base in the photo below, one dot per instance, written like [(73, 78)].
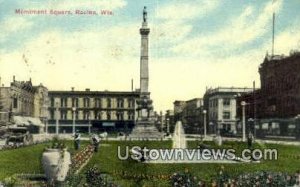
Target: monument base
[(145, 130)]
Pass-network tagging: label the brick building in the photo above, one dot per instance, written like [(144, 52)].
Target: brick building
[(22, 103), (92, 110), (277, 103), (280, 86)]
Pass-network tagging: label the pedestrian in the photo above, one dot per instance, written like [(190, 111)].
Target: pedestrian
[(77, 137), (250, 140), (95, 142)]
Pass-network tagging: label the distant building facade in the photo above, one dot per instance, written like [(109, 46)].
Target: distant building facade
[(23, 99), (190, 113), (178, 110), (280, 86), (92, 110), (169, 124), (277, 103), (221, 106)]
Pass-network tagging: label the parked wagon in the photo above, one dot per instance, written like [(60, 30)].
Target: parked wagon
[(18, 136)]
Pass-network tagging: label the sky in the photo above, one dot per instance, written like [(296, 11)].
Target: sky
[(194, 45)]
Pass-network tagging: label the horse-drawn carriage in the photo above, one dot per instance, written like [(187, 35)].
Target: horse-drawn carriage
[(18, 136)]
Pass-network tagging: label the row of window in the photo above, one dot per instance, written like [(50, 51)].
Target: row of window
[(281, 85), (16, 101), (87, 102), (214, 115), (214, 102), (98, 115)]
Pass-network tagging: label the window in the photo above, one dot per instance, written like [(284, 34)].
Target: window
[(86, 115), (52, 102), (108, 116), (108, 103), (76, 114), (131, 116), (98, 102), (226, 101), (120, 103), (15, 102), (63, 102), (120, 116), (51, 114), (97, 115), (63, 114), (130, 103), (226, 115), (213, 103), (86, 102), (74, 102)]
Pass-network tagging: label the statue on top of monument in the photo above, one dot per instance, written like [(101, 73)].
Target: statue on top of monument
[(145, 14)]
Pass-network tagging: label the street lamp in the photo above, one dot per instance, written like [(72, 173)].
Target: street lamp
[(204, 122), (56, 108), (89, 123), (243, 103), (73, 127), (161, 121), (211, 126), (250, 121), (46, 126), (168, 126)]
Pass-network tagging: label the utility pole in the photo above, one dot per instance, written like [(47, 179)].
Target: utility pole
[(254, 109), (273, 34), (243, 103)]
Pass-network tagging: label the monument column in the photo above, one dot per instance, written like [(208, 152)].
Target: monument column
[(144, 70), (145, 127)]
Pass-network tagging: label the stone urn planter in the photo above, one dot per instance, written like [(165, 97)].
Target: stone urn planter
[(56, 163)]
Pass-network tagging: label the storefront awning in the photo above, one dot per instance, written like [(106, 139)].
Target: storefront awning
[(26, 121)]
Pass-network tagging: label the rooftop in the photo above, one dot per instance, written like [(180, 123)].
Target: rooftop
[(228, 90)]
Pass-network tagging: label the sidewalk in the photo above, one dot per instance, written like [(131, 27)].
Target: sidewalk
[(191, 137)]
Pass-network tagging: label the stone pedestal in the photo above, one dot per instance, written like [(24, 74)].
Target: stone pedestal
[(145, 130), (145, 126)]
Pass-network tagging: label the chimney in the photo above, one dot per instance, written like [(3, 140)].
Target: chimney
[(14, 78), (72, 88)]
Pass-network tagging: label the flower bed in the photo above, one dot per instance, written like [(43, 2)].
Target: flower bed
[(262, 178), (81, 157)]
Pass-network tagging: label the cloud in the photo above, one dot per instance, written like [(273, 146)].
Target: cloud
[(173, 21), (245, 28), (13, 25), (108, 58), (287, 40), (99, 59), (169, 32), (78, 4), (184, 78), (183, 10)]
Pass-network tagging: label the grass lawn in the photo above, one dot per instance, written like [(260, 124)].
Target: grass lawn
[(25, 159), (288, 160), (132, 173), (125, 172)]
